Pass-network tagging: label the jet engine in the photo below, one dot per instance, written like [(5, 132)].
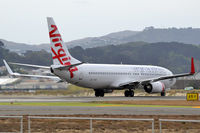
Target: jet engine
[(155, 87)]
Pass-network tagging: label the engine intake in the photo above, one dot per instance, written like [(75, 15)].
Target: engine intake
[(155, 87), (51, 69)]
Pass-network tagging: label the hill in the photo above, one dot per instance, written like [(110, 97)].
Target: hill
[(110, 39), (23, 47), (149, 34), (174, 56)]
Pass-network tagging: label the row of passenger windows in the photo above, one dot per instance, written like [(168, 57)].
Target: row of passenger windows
[(122, 73), (149, 74), (110, 73)]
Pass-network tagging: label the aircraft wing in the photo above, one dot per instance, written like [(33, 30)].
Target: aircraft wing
[(26, 75), (147, 81)]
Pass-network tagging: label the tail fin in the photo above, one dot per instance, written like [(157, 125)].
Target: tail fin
[(60, 53)]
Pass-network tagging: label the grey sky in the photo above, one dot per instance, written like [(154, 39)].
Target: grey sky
[(25, 20)]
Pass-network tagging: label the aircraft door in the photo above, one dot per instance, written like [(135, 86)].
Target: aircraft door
[(129, 74), (81, 75)]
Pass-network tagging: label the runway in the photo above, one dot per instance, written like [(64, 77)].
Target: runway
[(83, 99), (110, 110), (71, 110)]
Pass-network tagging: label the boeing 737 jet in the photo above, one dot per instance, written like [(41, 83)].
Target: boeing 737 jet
[(104, 78)]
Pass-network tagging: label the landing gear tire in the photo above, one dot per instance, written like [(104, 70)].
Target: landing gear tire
[(129, 93), (99, 93), (102, 94), (162, 93), (96, 94), (126, 93)]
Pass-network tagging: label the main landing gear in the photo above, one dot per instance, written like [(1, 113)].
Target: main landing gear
[(99, 93), (129, 93), (163, 93)]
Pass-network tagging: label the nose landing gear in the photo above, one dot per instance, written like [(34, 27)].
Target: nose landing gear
[(99, 93), (163, 93)]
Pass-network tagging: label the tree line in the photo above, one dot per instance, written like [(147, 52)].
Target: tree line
[(172, 55)]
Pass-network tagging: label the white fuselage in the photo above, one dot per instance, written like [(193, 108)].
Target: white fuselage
[(107, 76)]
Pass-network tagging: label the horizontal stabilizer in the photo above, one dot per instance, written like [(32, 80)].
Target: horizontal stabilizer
[(65, 67), (29, 65)]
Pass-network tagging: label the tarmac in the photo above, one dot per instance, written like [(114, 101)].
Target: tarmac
[(85, 110), (83, 99)]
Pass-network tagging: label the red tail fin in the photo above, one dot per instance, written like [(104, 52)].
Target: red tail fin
[(192, 66)]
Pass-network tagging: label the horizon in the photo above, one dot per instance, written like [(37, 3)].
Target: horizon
[(106, 34)]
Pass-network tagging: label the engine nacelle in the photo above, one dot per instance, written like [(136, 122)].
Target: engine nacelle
[(51, 70), (155, 87)]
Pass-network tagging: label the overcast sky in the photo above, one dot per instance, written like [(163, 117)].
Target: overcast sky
[(24, 21)]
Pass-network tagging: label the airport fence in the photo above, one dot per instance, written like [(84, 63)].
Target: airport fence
[(91, 119), (173, 120), (88, 118), (15, 117)]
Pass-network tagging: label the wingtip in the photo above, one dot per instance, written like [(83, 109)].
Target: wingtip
[(192, 66), (4, 61), (8, 67)]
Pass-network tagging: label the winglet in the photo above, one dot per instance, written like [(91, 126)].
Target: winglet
[(8, 68), (192, 66)]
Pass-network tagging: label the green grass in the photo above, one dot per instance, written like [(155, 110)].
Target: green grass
[(72, 90), (83, 104)]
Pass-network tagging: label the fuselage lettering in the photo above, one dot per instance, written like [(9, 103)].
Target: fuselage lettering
[(60, 54)]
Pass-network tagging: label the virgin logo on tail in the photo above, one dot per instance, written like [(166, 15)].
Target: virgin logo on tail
[(60, 54)]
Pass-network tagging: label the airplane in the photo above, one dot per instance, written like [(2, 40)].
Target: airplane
[(104, 78)]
